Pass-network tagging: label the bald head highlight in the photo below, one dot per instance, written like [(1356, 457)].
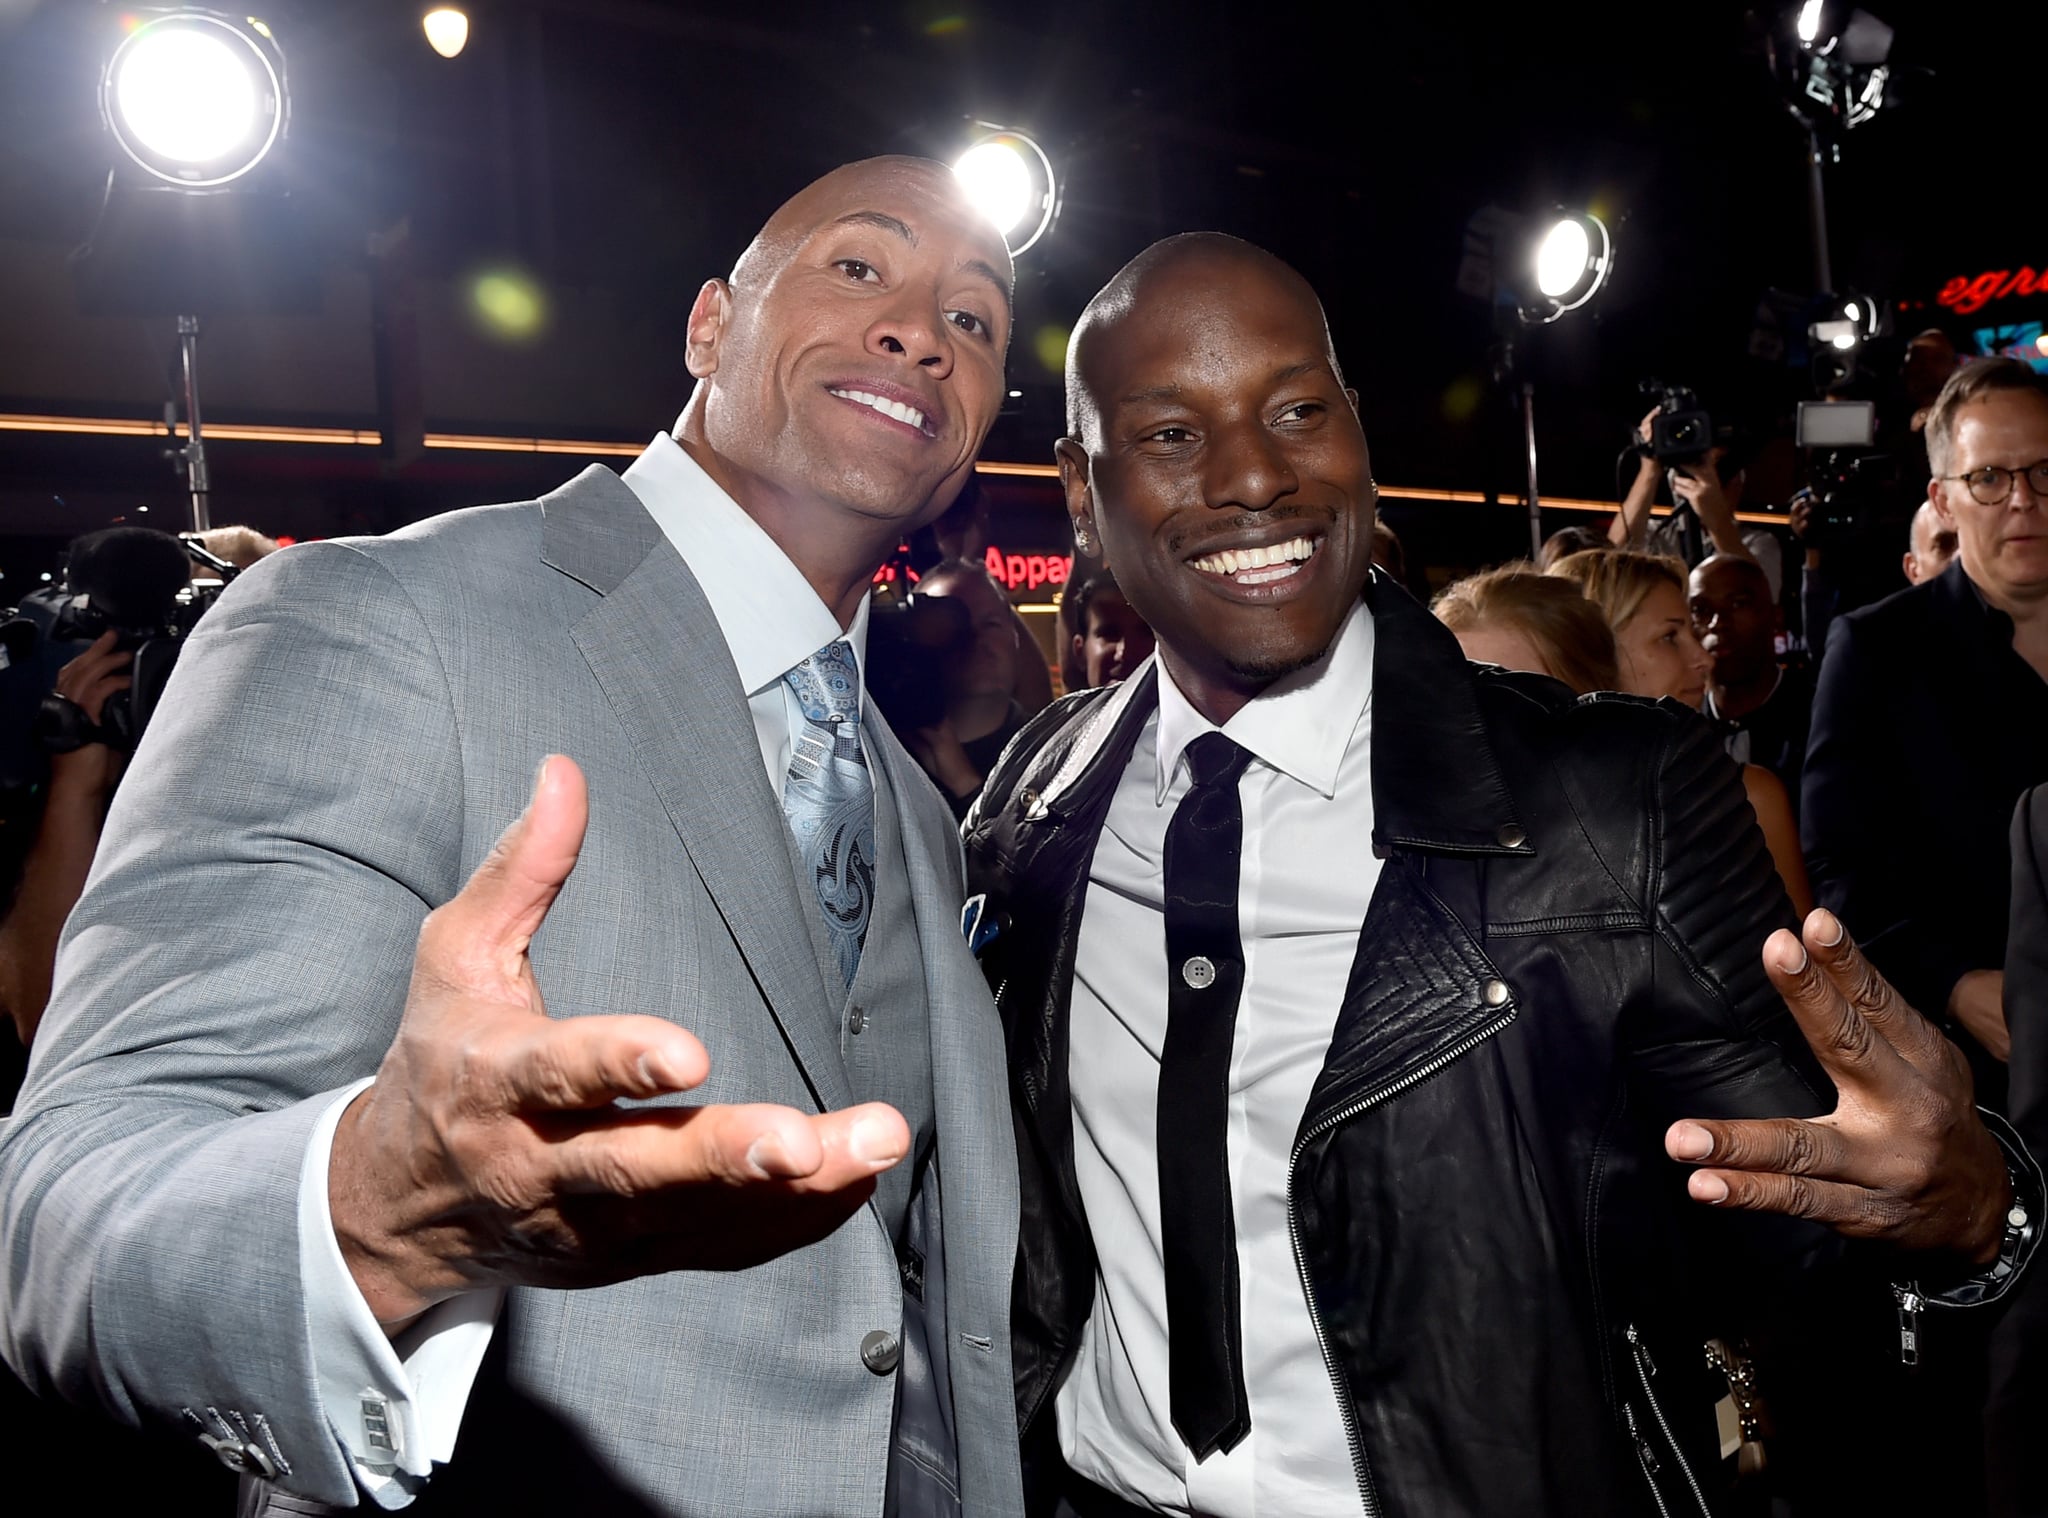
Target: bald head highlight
[(1117, 299), (802, 214)]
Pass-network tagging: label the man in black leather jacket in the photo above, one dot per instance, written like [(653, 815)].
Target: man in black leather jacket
[(1560, 958)]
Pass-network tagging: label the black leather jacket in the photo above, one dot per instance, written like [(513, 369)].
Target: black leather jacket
[(1560, 957)]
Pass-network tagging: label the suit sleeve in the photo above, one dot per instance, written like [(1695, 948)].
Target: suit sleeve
[(2026, 970), (1859, 808), (242, 950)]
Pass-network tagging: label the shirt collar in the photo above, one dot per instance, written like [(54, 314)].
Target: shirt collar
[(771, 618), (1301, 724)]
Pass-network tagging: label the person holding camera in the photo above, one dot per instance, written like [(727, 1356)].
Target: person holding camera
[(1705, 492), (82, 782)]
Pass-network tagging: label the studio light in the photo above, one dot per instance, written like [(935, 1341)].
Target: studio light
[(1571, 255), (1847, 324), (1009, 179), (447, 29), (195, 99)]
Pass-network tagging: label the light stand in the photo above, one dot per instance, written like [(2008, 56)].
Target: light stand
[(192, 457)]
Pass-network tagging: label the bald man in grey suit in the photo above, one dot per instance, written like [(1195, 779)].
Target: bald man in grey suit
[(577, 1168)]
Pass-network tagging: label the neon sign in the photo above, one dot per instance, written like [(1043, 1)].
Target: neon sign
[(1964, 295), (1027, 571), (1012, 571)]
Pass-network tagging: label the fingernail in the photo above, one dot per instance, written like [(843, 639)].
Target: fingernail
[(1689, 1141), (1791, 956), (656, 1070), (1708, 1188), (1826, 928), (875, 1141), (540, 773), (767, 1157)]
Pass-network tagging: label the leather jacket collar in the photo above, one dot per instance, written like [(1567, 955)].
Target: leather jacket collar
[(1436, 781)]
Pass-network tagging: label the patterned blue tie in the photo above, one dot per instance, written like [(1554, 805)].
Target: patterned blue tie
[(830, 799)]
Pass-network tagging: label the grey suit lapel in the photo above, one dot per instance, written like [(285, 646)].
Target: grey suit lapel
[(655, 649)]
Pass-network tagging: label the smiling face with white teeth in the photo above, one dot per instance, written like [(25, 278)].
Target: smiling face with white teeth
[(850, 368), (1218, 459)]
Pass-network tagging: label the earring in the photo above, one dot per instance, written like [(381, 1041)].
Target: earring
[(1082, 542)]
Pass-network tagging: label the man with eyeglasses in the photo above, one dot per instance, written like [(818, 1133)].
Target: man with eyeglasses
[(1929, 723), (1932, 718)]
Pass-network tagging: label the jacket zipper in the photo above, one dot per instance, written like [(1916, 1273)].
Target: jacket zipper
[(1644, 1370), (1646, 1458), (1315, 1313)]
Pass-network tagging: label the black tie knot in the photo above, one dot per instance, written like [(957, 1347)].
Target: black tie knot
[(1215, 760)]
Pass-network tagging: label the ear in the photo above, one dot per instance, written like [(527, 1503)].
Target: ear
[(1937, 495), (1911, 568), (1351, 396), (1080, 492), (710, 314)]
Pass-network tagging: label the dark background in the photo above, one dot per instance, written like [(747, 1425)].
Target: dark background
[(623, 150)]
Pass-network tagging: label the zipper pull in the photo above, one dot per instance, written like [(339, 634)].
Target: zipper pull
[(1640, 1349), (1910, 1303)]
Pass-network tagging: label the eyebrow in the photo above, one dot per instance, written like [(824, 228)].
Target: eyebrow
[(902, 229), (880, 219)]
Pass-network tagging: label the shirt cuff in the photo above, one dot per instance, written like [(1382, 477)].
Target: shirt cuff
[(394, 1404)]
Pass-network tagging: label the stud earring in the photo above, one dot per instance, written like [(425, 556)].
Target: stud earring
[(1082, 542)]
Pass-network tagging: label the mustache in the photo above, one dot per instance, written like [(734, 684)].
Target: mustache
[(1240, 522)]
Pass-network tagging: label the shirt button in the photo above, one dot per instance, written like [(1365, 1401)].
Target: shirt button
[(880, 1352), (856, 1020), (1496, 993), (1199, 972)]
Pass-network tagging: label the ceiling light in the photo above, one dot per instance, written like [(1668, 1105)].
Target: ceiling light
[(447, 29)]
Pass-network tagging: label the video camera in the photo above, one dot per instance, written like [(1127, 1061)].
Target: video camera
[(1681, 432), (137, 584), (1847, 485)]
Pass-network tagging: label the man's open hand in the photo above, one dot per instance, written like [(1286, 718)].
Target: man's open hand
[(1903, 1157), (489, 1150)]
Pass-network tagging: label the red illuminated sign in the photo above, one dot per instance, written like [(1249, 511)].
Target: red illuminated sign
[(1028, 571), (1964, 295), (1012, 571)]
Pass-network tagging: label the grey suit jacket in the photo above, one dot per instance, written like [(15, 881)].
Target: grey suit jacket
[(347, 735)]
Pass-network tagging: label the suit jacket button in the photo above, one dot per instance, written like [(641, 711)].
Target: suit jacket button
[(880, 1352), (856, 1020), (1512, 837)]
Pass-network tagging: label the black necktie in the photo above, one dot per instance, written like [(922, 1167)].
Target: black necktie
[(1204, 973)]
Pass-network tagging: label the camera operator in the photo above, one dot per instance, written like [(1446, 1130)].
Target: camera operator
[(81, 784), (1705, 487), (117, 621)]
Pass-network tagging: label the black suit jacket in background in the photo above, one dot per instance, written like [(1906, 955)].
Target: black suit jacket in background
[(2018, 1409), (1927, 728)]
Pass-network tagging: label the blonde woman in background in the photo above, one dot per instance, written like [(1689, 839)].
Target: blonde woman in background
[(1642, 597)]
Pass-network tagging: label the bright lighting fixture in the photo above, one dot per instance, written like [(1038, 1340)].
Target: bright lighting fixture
[(1009, 179), (447, 29), (1845, 340), (1570, 260), (1809, 21), (194, 98), (1853, 311)]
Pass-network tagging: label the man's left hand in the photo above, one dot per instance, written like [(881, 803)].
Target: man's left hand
[(1903, 1157)]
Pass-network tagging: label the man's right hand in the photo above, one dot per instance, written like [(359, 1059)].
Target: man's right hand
[(1648, 463), (489, 1150), (89, 681)]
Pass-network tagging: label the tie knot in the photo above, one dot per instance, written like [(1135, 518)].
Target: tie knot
[(827, 685), (1214, 760)]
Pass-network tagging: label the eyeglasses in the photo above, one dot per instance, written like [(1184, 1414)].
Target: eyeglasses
[(1990, 485)]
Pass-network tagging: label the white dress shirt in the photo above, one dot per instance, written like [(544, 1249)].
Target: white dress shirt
[(412, 1391), (1306, 876)]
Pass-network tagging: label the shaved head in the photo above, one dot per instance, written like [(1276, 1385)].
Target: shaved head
[(1114, 302), (854, 183)]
